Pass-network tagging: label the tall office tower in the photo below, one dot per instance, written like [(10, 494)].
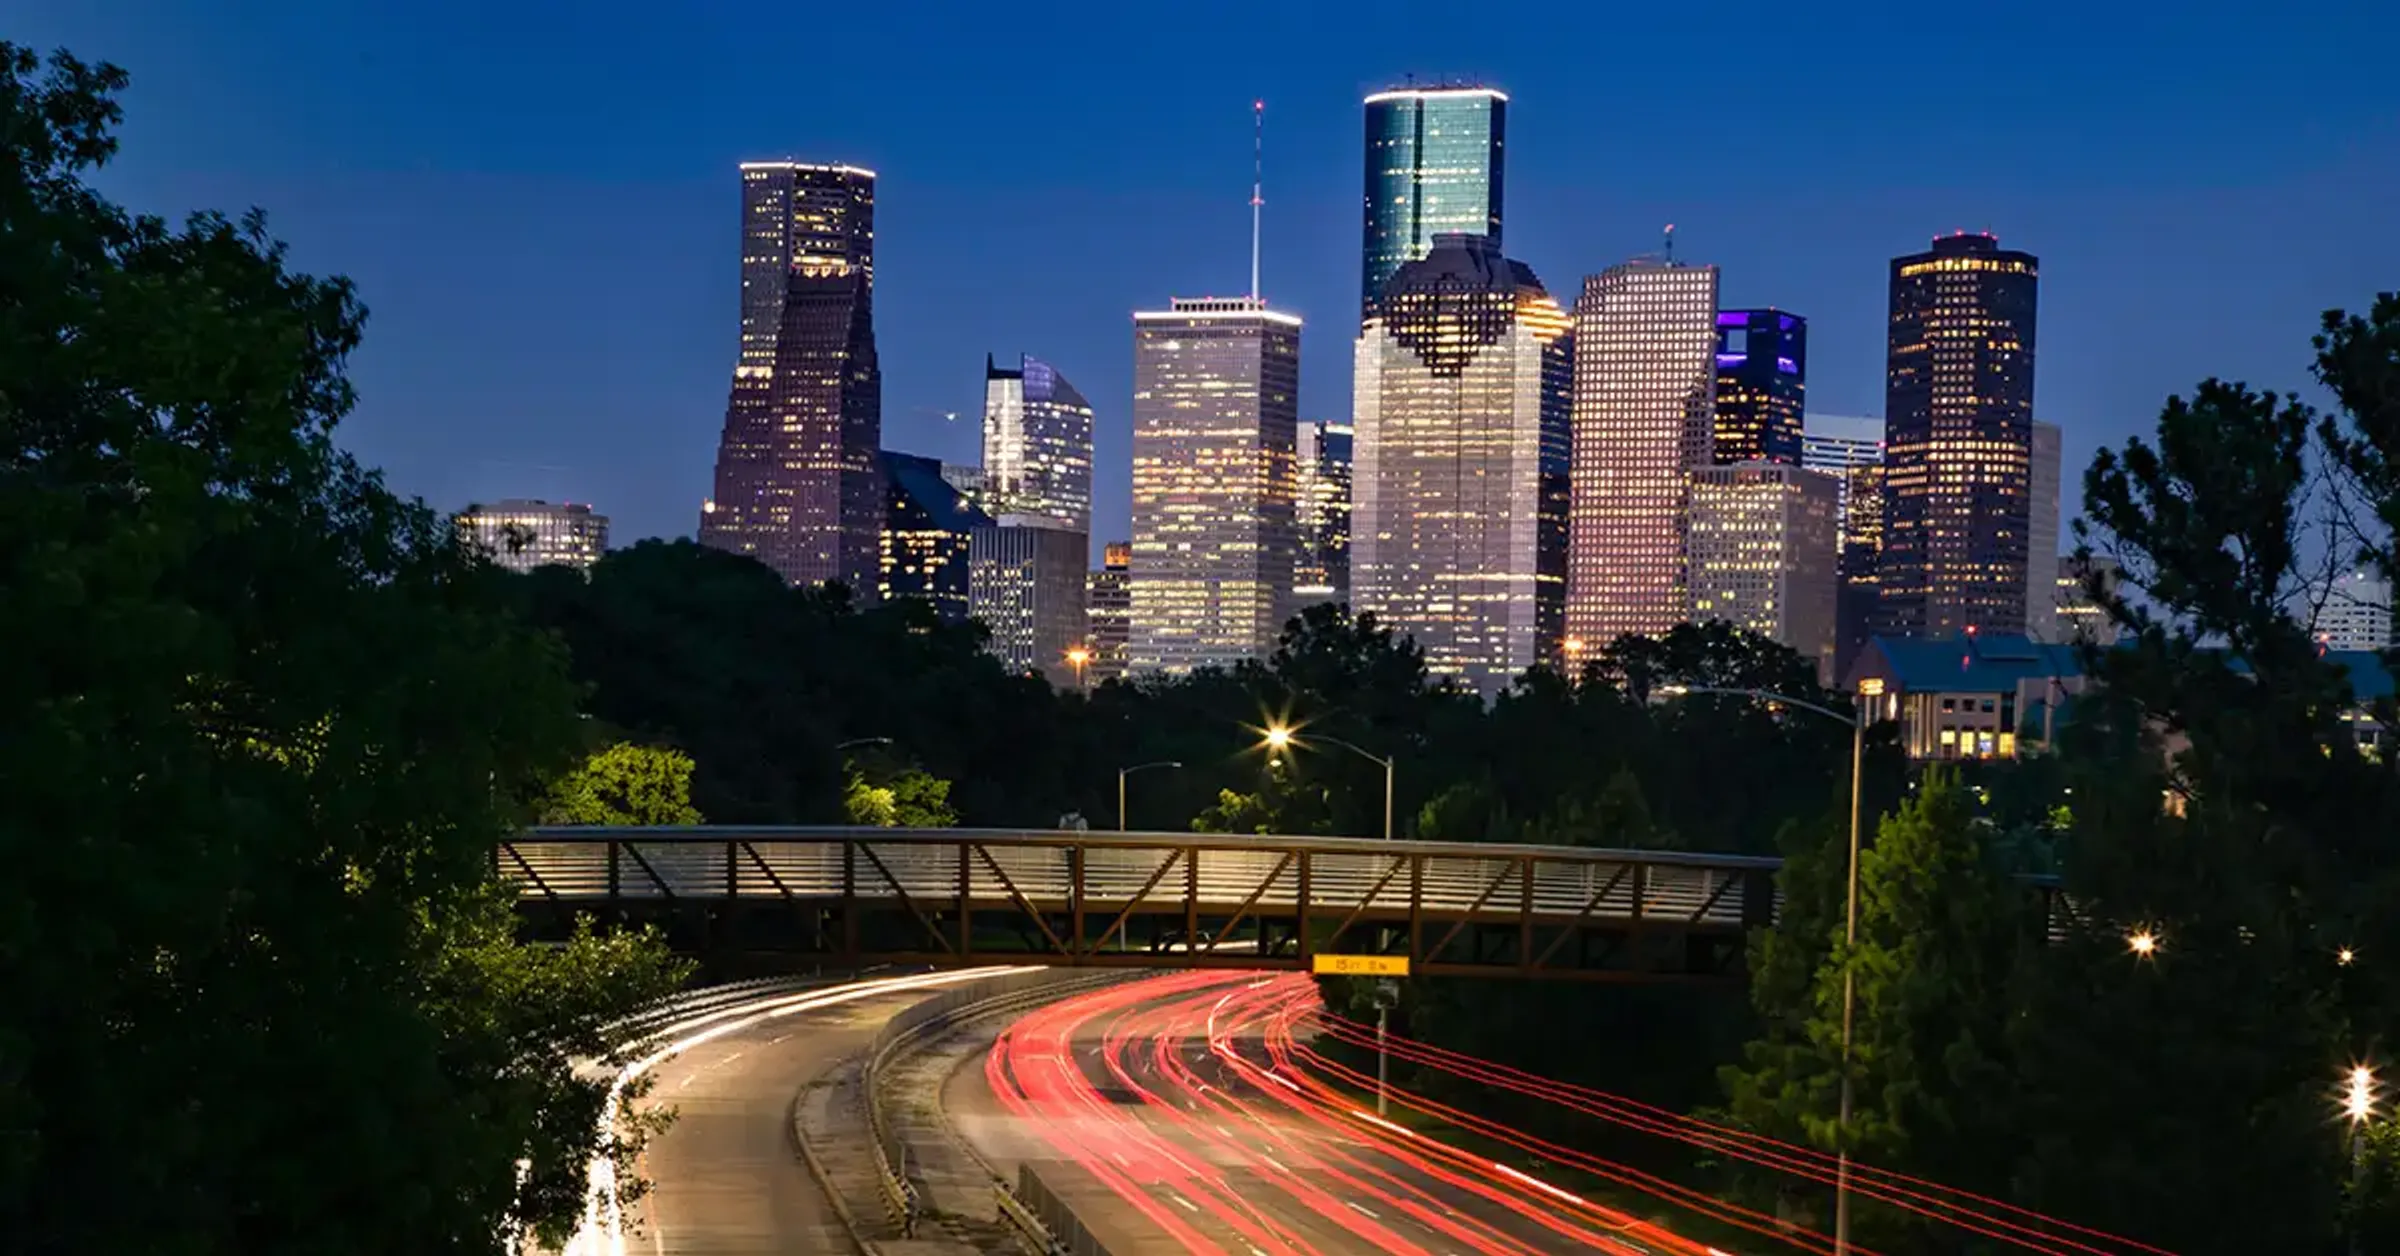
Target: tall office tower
[(796, 485), (521, 534), (1037, 445), (1762, 554), (2044, 456), (1108, 602), (927, 531), (1958, 408), (1645, 402), (1025, 583), (1324, 512), (1762, 386), (1434, 165), (2082, 619), (1216, 386), (1851, 450), (2354, 612), (1456, 376)]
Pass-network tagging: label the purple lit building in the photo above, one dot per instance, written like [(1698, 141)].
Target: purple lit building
[(797, 485), (1762, 386)]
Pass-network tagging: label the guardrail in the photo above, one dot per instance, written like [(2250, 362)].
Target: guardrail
[(1043, 1220), (968, 1001)]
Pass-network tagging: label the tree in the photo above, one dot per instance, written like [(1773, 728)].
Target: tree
[(265, 722), (908, 799), (625, 784)]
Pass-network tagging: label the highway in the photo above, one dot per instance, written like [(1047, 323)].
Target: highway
[(1170, 1108)]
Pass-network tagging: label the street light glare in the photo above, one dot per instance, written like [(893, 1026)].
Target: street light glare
[(2142, 942), (2359, 1103), (1278, 737), (2344, 956)]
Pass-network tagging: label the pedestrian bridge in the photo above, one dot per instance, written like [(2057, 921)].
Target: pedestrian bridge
[(980, 896)]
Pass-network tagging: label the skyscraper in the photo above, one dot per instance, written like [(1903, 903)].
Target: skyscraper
[(1324, 511), (1037, 445), (1025, 584), (2041, 533), (797, 485), (1958, 406), (1460, 376), (1108, 612), (521, 534), (1762, 554), (1216, 385), (1762, 386), (927, 531), (1645, 401), (1434, 165), (1851, 450), (2352, 612)]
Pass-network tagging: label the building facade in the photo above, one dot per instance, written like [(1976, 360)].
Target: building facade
[(1762, 553), (2045, 455), (1851, 450), (1456, 403), (1762, 386), (1435, 164), (797, 482), (521, 534), (1108, 603), (1645, 382), (1324, 504), (2082, 619), (1037, 445), (2354, 612), (1958, 408), (1026, 585), (927, 533), (1215, 432)]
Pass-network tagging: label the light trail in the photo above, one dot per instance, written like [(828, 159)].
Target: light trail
[(602, 1232)]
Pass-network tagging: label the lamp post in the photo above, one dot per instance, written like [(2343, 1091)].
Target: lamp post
[(1279, 737), (2358, 1103), (1868, 688), (863, 741), (1077, 657), (1122, 773)]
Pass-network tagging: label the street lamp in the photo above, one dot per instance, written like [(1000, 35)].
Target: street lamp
[(1280, 737), (1857, 720), (1122, 773), (863, 741), (2358, 1103), (1077, 656)]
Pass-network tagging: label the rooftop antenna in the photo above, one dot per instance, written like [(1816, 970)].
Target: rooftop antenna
[(1670, 244), (1258, 180)]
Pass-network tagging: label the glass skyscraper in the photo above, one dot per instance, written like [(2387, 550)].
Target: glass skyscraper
[(1216, 386), (797, 481), (522, 534), (1037, 446), (1762, 386), (1434, 165), (1761, 554), (1108, 601), (1958, 413), (1459, 379), (1645, 405), (927, 528), (1851, 450), (1326, 449)]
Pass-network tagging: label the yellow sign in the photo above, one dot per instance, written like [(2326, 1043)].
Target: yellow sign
[(1362, 965)]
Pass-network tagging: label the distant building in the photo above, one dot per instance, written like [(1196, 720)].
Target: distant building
[(2041, 533), (797, 486), (2354, 612), (2081, 618), (1851, 450), (1037, 445), (1459, 399), (522, 534), (1762, 549), (1216, 385), (1972, 696), (1109, 609), (1958, 408), (927, 531), (968, 480), (1644, 409), (1434, 165), (1326, 449), (1762, 386), (1026, 585)]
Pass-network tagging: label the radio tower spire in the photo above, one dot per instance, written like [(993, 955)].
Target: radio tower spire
[(1258, 179)]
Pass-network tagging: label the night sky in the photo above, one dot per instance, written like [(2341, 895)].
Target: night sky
[(538, 201)]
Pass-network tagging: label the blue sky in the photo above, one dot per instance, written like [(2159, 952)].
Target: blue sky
[(538, 200)]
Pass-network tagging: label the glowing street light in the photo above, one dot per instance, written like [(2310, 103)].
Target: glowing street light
[(1077, 657), (2142, 942), (2358, 1103), (1282, 737), (2344, 956)]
